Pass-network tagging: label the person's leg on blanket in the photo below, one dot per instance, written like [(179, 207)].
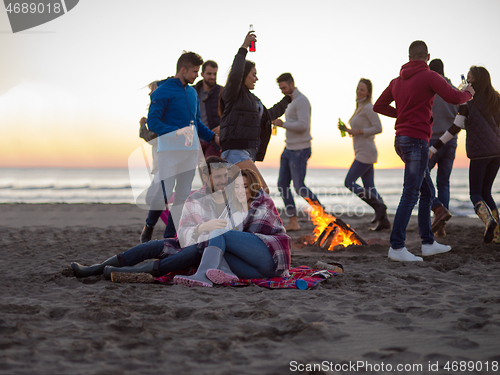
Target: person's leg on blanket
[(247, 255)]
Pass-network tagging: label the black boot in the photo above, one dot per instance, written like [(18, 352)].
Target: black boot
[(94, 270), (139, 268), (147, 233), (376, 203), (383, 223)]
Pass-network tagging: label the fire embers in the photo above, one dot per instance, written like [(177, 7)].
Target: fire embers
[(330, 231)]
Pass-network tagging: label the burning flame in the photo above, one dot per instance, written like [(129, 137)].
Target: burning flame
[(330, 231)]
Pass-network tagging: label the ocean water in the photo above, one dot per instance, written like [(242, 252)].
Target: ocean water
[(59, 185)]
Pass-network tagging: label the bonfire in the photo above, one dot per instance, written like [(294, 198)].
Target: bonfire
[(330, 231)]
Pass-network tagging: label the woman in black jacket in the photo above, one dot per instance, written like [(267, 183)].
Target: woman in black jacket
[(481, 119), (245, 127)]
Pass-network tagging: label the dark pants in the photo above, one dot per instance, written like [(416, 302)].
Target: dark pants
[(188, 257), (367, 174), (482, 173), (444, 159), (293, 167)]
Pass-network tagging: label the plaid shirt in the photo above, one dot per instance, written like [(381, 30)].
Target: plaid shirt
[(264, 221)]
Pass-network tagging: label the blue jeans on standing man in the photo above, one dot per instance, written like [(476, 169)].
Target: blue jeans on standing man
[(417, 181), (293, 167), (444, 159)]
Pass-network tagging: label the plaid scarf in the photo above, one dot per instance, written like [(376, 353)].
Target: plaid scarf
[(264, 221)]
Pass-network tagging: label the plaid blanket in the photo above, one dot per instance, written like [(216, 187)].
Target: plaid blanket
[(309, 275)]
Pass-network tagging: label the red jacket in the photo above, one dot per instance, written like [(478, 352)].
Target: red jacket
[(413, 91)]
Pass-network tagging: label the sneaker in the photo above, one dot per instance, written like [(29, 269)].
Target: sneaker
[(403, 255), (434, 248)]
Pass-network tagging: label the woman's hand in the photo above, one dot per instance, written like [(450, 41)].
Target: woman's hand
[(212, 225), (249, 38)]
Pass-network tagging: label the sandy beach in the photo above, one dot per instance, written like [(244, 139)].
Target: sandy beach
[(415, 318)]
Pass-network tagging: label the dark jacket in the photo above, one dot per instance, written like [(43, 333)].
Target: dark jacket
[(211, 104), (240, 126), (483, 133)]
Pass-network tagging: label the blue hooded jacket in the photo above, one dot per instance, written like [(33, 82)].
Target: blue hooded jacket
[(173, 106)]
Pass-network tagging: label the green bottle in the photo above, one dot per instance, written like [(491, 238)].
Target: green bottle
[(342, 128)]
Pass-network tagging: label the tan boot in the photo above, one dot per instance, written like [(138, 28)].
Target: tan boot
[(293, 224), (496, 233), (484, 213), (441, 216)]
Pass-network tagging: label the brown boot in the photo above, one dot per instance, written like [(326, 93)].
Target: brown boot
[(441, 216), (293, 224), (484, 213), (441, 231), (496, 233)]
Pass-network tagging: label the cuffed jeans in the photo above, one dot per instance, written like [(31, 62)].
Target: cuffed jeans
[(367, 174), (293, 167), (482, 174), (444, 159), (246, 254), (415, 154), (188, 257)]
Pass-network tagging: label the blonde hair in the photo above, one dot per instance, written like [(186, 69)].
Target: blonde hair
[(368, 99)]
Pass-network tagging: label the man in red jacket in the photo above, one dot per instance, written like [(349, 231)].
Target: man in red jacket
[(413, 91)]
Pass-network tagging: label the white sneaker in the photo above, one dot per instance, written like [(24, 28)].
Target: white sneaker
[(434, 248), (403, 255)]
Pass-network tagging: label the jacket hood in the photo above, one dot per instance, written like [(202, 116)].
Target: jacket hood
[(413, 67)]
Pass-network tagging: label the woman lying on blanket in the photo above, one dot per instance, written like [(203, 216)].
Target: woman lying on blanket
[(264, 221), (260, 248)]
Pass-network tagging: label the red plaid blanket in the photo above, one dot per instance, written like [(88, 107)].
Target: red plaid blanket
[(309, 275)]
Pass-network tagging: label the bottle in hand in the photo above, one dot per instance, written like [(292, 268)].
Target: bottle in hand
[(274, 130), (189, 139), (252, 43), (463, 84), (341, 127)]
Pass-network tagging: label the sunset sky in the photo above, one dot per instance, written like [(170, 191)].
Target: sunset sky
[(73, 90)]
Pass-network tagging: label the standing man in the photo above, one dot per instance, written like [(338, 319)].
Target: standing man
[(444, 115), (208, 92), (174, 106), (293, 163), (413, 91)]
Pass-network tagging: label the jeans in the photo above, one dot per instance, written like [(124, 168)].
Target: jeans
[(246, 254), (237, 156), (444, 159), (482, 173), (415, 154), (187, 257), (293, 167), (367, 174)]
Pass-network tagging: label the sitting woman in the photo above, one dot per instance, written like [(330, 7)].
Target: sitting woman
[(259, 249)]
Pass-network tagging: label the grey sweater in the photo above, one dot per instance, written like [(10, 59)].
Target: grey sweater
[(443, 114), (298, 122), (365, 150)]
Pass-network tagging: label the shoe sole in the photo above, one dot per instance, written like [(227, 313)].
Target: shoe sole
[(220, 277), (490, 233), (436, 253), (179, 280), (404, 260)]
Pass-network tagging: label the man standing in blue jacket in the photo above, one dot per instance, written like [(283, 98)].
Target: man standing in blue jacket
[(174, 107)]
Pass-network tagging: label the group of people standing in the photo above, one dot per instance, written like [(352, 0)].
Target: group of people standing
[(230, 227)]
